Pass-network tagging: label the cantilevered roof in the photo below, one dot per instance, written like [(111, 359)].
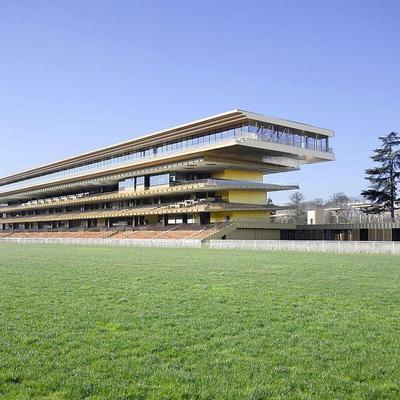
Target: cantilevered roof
[(214, 122)]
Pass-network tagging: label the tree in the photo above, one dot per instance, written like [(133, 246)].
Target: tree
[(384, 178), (317, 203), (339, 200), (340, 210), (297, 202)]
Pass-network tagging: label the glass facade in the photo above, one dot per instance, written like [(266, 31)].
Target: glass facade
[(158, 180), (255, 131), (139, 183), (127, 184), (282, 135)]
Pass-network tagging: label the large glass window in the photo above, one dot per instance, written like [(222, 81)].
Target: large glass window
[(127, 184), (139, 182), (157, 180)]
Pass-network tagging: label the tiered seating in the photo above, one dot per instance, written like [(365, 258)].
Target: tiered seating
[(207, 231), (152, 232), (183, 231), (24, 234), (121, 234), (145, 232), (179, 231), (94, 234), (44, 235), (61, 234), (4, 234)]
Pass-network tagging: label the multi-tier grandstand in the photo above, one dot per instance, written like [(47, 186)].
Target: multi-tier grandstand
[(200, 180)]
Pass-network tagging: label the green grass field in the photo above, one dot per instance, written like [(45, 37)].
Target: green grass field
[(121, 323)]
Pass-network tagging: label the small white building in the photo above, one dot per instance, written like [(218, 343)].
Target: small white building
[(315, 217)]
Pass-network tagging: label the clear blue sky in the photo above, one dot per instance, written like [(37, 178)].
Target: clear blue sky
[(77, 75)]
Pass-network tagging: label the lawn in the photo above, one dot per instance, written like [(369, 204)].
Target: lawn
[(128, 323)]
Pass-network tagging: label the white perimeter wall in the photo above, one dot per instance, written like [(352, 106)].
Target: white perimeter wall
[(284, 245), (309, 245)]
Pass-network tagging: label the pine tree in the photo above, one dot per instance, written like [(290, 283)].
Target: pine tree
[(385, 177)]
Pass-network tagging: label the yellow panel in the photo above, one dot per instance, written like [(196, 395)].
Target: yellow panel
[(234, 174), (243, 196), (220, 216), (224, 195), (247, 197)]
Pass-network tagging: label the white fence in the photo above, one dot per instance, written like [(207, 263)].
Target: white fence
[(309, 245), (285, 245), (109, 242)]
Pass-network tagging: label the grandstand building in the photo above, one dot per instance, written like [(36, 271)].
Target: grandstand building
[(201, 177)]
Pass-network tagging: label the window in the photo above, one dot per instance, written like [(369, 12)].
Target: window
[(157, 180), (129, 183), (140, 182), (311, 143)]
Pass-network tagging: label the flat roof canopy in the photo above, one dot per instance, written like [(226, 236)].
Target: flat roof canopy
[(214, 122)]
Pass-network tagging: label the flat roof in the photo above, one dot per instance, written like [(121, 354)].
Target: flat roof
[(232, 117)]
